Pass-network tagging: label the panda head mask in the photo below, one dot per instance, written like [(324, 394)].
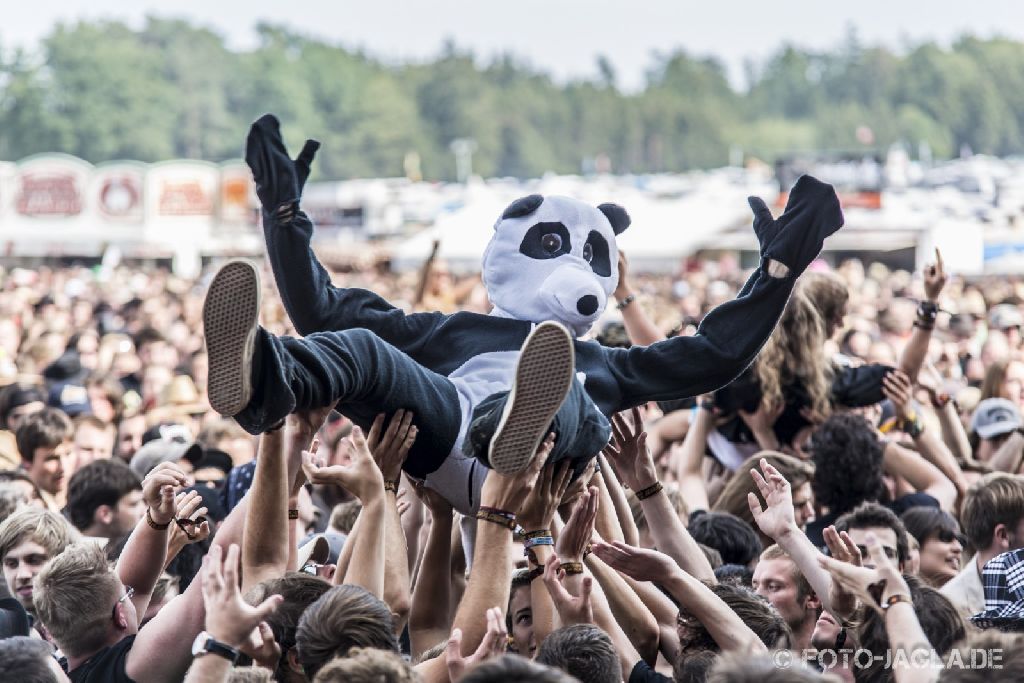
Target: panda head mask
[(554, 258)]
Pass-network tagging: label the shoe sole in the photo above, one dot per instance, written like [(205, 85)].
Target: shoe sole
[(230, 320), (544, 374)]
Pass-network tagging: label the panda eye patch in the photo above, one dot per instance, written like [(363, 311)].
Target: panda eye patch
[(545, 240), (599, 260)]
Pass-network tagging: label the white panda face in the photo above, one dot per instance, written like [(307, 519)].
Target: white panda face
[(554, 258)]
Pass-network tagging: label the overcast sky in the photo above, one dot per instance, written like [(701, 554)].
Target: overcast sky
[(562, 37)]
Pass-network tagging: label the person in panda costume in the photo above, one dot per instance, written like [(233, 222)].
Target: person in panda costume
[(484, 389)]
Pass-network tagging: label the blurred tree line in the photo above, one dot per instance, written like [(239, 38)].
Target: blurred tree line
[(102, 91)]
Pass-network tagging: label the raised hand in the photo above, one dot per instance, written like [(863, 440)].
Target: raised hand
[(362, 478), (622, 289), (190, 518), (872, 586), (637, 563), (303, 425), (158, 490), (571, 609), (390, 447), (842, 548), (539, 507), (262, 647), (229, 618), (896, 387), (777, 518), (439, 507), (795, 238), (509, 492), (628, 452), (934, 278), (279, 180), (578, 531), (494, 643)]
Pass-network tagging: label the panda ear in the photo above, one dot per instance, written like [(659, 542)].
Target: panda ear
[(616, 215), (523, 206)]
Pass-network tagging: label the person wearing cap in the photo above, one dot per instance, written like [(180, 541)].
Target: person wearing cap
[(993, 423), (17, 402), (1007, 319), (184, 454), (213, 468)]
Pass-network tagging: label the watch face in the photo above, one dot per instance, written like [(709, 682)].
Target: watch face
[(199, 644)]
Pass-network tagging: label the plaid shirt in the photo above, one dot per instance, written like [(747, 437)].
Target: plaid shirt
[(1003, 579)]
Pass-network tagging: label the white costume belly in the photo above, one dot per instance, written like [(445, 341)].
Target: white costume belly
[(460, 477)]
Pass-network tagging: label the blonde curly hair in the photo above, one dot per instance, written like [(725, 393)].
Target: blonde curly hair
[(795, 354)]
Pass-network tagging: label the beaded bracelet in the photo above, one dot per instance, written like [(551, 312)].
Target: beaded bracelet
[(652, 490), (493, 518), (572, 568), (625, 302), (152, 522)]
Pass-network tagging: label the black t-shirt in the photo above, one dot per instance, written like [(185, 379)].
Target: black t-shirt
[(106, 666), (643, 673)]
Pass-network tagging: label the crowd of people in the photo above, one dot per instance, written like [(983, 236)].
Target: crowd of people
[(850, 508)]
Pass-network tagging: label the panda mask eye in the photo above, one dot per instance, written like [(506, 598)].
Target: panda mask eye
[(546, 240), (597, 254)]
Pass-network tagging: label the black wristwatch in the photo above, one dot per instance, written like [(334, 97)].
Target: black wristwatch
[(204, 644)]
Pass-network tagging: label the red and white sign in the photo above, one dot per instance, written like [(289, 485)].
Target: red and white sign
[(117, 189), (51, 186), (237, 195)]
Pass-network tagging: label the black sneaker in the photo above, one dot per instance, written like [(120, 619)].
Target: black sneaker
[(230, 320), (544, 374)]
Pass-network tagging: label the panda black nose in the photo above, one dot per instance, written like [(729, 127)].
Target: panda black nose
[(586, 305)]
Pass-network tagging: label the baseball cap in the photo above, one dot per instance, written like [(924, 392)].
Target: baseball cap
[(995, 416), (160, 451), (70, 397), (1005, 316)]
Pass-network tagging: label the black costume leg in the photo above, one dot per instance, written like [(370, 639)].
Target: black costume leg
[(364, 376)]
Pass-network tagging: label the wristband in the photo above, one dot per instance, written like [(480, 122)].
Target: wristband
[(496, 511), (540, 533), (293, 513), (539, 540), (500, 520), (913, 427), (652, 490), (391, 485), (275, 427), (941, 399), (534, 573), (895, 600), (572, 568), (152, 522), (625, 302)]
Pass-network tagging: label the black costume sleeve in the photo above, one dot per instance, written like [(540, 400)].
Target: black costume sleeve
[(316, 305), (859, 386), (731, 335), (312, 302)]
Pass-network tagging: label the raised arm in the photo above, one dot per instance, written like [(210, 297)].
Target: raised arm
[(633, 462), (690, 457), (491, 575), (265, 548), (726, 628), (429, 619), (390, 447), (363, 479), (312, 302), (731, 335), (639, 327), (916, 350), (142, 559)]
